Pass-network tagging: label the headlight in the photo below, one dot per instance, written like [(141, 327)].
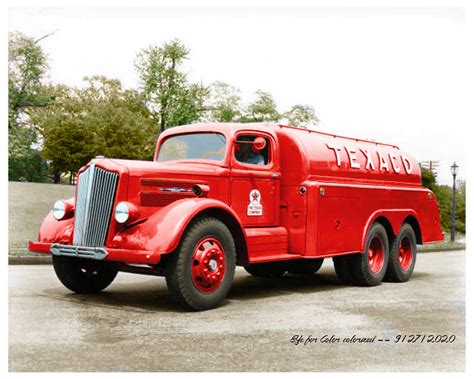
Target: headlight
[(59, 210), (122, 212), (125, 211)]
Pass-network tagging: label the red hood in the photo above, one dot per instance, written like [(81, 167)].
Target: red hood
[(140, 168), (134, 173)]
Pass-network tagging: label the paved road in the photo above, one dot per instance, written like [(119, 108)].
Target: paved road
[(133, 326)]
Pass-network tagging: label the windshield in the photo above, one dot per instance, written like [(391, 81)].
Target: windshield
[(193, 146)]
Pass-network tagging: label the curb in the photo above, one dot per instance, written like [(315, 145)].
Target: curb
[(25, 260), (39, 260), (434, 250)]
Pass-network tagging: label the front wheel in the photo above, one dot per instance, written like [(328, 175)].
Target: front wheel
[(200, 272), (84, 275)]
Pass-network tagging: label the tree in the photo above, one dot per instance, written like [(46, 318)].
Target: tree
[(263, 109), (100, 119), (428, 178), (461, 207), (189, 104), (443, 195), (224, 103), (27, 66), (172, 100), (25, 163), (302, 116)]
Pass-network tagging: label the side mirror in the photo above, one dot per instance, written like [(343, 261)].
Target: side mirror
[(258, 144)]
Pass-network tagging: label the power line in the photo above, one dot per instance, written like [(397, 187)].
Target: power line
[(431, 165)]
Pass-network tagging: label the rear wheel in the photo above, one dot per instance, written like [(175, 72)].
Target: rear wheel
[(266, 270), (84, 275), (199, 273), (305, 267), (367, 268), (402, 255)]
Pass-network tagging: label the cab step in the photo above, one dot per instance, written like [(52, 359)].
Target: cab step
[(268, 244)]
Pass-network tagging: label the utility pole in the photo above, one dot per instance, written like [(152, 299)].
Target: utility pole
[(430, 165)]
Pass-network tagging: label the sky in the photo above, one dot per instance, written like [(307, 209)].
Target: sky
[(394, 75)]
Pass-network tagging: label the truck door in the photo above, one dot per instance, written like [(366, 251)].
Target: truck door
[(255, 179)]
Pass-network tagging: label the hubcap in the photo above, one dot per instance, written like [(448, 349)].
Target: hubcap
[(208, 264), (375, 255), (405, 253)]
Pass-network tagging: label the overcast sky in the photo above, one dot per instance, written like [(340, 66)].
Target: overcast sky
[(392, 75)]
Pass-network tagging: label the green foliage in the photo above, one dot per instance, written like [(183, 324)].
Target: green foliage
[(302, 116), (189, 104), (172, 100), (444, 195), (25, 163), (428, 178), (69, 126), (100, 119), (461, 208), (224, 103), (27, 65), (263, 109)]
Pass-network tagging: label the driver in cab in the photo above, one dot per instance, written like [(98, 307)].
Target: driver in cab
[(249, 151)]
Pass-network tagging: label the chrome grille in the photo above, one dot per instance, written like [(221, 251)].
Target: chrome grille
[(95, 199)]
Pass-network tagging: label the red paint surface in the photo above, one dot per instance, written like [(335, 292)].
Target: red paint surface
[(320, 194), (405, 253), (208, 264), (375, 255)]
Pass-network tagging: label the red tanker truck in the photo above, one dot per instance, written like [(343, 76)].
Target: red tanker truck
[(268, 197)]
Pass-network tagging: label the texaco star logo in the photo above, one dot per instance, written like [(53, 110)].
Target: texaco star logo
[(255, 208), (255, 197)]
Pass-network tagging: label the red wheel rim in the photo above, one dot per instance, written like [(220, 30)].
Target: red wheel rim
[(208, 264), (405, 253), (375, 255)]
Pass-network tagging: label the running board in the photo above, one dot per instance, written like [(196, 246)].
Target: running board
[(268, 244)]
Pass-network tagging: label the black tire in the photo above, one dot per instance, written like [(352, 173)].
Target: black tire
[(343, 267), (305, 267), (266, 270), (84, 275), (400, 271), (356, 269), (179, 265), (363, 274)]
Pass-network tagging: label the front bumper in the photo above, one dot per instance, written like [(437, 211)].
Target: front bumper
[(98, 253)]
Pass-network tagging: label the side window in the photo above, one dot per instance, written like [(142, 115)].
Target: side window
[(247, 152)]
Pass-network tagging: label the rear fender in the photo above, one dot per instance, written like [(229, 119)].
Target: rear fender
[(394, 217), (162, 231)]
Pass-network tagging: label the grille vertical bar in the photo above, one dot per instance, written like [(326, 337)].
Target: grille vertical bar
[(95, 199)]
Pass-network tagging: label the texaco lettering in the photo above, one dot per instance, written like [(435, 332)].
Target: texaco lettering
[(382, 159)]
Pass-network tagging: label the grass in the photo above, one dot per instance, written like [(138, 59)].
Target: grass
[(28, 205)]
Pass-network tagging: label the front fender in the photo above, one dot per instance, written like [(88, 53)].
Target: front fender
[(54, 231), (162, 231)]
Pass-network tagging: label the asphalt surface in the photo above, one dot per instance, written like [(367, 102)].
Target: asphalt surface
[(134, 326)]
